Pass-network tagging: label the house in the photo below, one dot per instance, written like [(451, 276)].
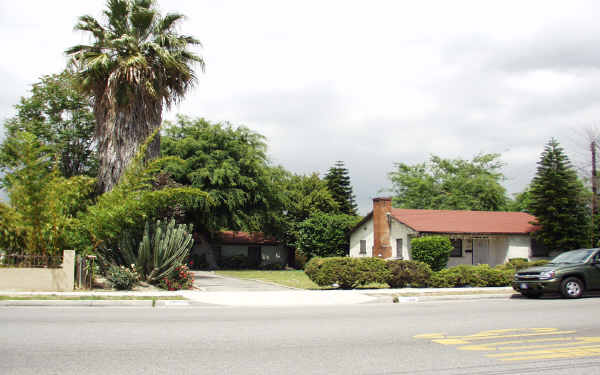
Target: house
[(260, 250), (479, 237)]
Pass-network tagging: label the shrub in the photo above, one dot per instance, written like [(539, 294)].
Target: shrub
[(235, 262), (347, 272), (371, 270), (333, 270), (476, 276), (407, 272), (121, 277), (299, 260), (179, 278), (433, 250)]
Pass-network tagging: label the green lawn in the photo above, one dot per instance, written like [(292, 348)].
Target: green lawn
[(295, 279), (55, 297)]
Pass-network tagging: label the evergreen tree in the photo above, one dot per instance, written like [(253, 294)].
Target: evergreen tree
[(558, 200), (338, 182)]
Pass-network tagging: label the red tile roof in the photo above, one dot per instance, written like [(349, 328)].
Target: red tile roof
[(484, 222), (243, 238)]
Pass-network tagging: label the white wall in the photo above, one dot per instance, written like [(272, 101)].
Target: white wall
[(519, 246), (400, 230), (365, 232)]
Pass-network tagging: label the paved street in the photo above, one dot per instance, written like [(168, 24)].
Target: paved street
[(515, 336)]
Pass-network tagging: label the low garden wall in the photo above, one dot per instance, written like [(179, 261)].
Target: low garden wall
[(41, 279)]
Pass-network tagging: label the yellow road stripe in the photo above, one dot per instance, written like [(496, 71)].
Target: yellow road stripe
[(590, 349), (497, 345)]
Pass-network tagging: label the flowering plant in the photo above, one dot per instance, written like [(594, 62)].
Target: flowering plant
[(179, 278)]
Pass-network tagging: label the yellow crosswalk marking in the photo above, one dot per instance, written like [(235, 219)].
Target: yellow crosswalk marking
[(563, 345), (570, 352)]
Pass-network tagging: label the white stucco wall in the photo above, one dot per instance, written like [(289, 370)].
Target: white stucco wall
[(365, 232), (519, 246)]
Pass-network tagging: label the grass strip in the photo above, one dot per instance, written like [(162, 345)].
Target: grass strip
[(56, 297)]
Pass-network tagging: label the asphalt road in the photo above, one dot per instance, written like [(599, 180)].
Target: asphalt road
[(519, 336)]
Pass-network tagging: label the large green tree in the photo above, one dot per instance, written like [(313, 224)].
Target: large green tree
[(61, 119), (338, 182), (230, 164), (137, 65), (559, 202), (451, 184)]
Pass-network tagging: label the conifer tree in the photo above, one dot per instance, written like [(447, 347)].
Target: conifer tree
[(338, 182), (557, 199)]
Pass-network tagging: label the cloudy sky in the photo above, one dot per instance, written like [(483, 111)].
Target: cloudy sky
[(371, 83)]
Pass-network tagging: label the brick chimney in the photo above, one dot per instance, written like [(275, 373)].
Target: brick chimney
[(382, 211)]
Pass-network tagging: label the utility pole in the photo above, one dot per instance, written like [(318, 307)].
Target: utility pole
[(594, 193)]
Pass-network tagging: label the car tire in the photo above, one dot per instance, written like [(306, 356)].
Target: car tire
[(571, 287), (532, 294)]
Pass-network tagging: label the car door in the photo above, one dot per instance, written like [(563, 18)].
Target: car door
[(594, 271)]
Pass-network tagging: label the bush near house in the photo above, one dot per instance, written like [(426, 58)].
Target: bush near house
[(121, 277), (433, 250), (474, 276), (407, 273), (179, 278), (346, 272)]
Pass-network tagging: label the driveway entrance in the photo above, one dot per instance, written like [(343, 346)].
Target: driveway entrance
[(210, 282)]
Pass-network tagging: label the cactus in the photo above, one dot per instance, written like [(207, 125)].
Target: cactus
[(160, 250)]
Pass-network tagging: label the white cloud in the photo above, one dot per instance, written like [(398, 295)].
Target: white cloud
[(370, 83)]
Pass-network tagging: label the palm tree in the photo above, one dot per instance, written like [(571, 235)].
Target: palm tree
[(137, 65)]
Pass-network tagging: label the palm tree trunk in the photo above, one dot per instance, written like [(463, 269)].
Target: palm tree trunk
[(119, 134)]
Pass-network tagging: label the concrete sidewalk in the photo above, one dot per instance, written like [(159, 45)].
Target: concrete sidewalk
[(267, 298)]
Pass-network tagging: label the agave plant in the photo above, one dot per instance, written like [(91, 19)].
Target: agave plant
[(162, 248)]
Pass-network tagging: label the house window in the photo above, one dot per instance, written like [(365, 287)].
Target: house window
[(399, 248), (457, 251), (363, 247)]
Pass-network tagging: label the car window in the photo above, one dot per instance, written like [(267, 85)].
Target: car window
[(574, 256)]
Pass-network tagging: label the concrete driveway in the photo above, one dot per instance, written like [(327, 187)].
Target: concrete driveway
[(210, 282)]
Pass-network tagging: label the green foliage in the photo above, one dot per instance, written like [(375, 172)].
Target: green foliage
[(325, 235), (179, 278), (451, 184), (333, 270), (163, 248), (338, 183), (121, 277), (12, 231), (62, 121), (521, 202), (299, 260), (43, 205), (432, 250), (136, 64), (407, 272), (346, 272), (475, 276), (517, 264), (303, 196), (558, 201), (230, 164), (371, 270), (134, 201)]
